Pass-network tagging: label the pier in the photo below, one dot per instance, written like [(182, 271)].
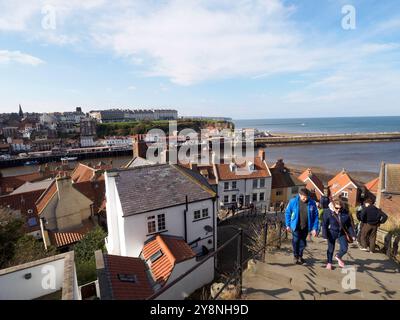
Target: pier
[(327, 138)]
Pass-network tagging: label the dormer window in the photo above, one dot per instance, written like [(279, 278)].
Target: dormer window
[(232, 167), (251, 166)]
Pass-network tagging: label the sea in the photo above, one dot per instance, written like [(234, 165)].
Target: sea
[(323, 125), (354, 157)]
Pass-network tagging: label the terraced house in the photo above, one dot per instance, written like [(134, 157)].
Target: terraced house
[(160, 213)]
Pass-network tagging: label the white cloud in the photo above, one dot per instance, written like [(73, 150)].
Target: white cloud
[(18, 57)]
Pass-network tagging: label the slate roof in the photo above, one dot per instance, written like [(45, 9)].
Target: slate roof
[(154, 187), (392, 178), (25, 203)]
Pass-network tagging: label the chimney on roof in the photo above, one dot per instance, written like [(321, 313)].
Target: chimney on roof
[(309, 172), (280, 164), (193, 166), (261, 154)]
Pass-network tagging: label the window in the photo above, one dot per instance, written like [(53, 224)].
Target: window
[(127, 277), (262, 195), (254, 197), (155, 256), (151, 224), (233, 184), (279, 193), (255, 183), (161, 222), (205, 213), (32, 222), (226, 199), (262, 183), (345, 194), (197, 214), (295, 190), (234, 198), (226, 185)]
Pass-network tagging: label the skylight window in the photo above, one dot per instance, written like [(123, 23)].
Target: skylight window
[(156, 256), (127, 277)]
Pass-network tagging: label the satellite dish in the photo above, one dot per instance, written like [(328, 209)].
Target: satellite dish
[(208, 228)]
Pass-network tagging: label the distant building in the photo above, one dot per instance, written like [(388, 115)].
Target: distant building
[(345, 188), (88, 132), (285, 185), (372, 188), (119, 115), (246, 183), (122, 141), (20, 112)]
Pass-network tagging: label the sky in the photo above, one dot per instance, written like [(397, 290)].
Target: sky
[(243, 59)]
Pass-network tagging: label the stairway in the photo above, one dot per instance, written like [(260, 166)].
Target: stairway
[(375, 276)]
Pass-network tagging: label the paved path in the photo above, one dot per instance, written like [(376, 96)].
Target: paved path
[(376, 277)]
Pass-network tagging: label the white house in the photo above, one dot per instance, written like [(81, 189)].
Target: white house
[(244, 183), (161, 199), (51, 278), (118, 141)]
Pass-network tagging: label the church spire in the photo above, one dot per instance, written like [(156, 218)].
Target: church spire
[(21, 113)]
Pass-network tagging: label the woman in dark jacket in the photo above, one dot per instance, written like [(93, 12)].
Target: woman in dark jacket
[(334, 225)]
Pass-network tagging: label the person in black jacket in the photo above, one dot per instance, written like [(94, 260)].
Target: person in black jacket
[(335, 225), (371, 218)]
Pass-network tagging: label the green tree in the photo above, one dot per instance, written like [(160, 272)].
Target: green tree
[(84, 255), (10, 232)]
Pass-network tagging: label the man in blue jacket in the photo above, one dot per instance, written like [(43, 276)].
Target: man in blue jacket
[(301, 218)]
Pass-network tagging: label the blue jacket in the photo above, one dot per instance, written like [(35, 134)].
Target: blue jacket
[(332, 228), (293, 211)]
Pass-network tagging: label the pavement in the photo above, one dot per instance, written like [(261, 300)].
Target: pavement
[(371, 276)]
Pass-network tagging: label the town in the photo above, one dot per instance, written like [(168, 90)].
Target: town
[(152, 228)]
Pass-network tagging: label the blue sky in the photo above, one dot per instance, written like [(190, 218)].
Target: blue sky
[(242, 59)]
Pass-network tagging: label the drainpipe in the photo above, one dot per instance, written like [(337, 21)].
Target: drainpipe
[(214, 231), (184, 217)]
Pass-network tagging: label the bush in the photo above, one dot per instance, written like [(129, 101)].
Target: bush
[(84, 255)]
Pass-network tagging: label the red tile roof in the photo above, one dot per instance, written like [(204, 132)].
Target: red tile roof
[(82, 173), (372, 186), (9, 184), (308, 175), (260, 171), (123, 290), (46, 196), (174, 250), (339, 182), (25, 203)]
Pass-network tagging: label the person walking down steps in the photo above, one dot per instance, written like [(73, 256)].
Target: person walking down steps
[(301, 218), (337, 226)]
